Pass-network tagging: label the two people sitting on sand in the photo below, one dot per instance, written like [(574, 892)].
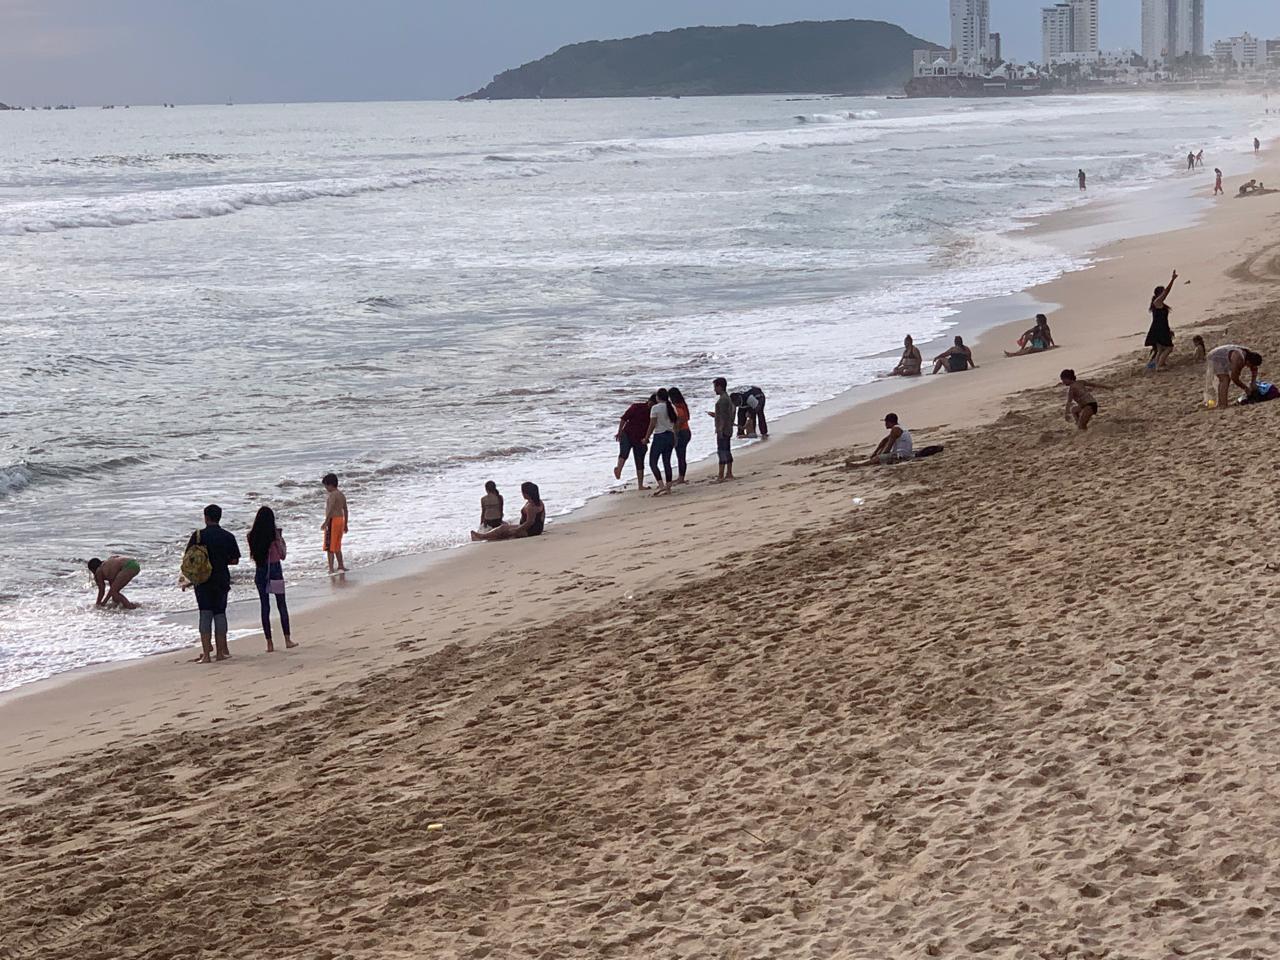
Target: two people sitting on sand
[(955, 359), (533, 517), (1036, 340), (911, 362), (1254, 188)]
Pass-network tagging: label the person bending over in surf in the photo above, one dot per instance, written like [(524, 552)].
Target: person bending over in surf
[(112, 576)]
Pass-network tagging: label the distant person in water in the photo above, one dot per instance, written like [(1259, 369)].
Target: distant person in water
[(1200, 159), (1083, 180), (633, 429), (956, 359), (910, 363), (1036, 340), (111, 577), (684, 433), (533, 518), (724, 416), (662, 440), (750, 402), (337, 521), (1191, 160), (268, 551), (492, 507), (1225, 365), (1257, 145), (1160, 334), (1217, 182), (1081, 406)]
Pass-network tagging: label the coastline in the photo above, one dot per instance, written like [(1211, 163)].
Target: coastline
[(407, 599)]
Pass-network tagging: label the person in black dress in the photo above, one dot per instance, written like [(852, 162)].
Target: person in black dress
[(1160, 336)]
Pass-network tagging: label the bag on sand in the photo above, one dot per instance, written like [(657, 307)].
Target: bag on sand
[(196, 567)]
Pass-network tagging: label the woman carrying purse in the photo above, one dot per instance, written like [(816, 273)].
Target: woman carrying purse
[(267, 547)]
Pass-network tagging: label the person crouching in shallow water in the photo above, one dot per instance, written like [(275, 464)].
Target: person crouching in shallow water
[(909, 365), (268, 550), (111, 577), (750, 402), (492, 507), (1081, 406), (533, 517), (956, 359), (896, 447)]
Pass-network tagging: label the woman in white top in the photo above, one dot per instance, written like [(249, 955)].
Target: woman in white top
[(661, 439)]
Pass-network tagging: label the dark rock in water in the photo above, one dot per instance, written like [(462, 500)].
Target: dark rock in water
[(838, 56), (5, 106)]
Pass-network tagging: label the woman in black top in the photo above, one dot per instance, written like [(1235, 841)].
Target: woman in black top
[(1160, 336)]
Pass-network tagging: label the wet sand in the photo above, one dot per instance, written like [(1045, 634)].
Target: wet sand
[(1017, 702)]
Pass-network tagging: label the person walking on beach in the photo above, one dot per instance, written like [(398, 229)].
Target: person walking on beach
[(111, 577), (723, 415), (956, 359), (533, 518), (1257, 145), (633, 428), (211, 596), (268, 550), (750, 402), (1160, 334), (1217, 182), (662, 440), (1225, 364), (337, 521), (492, 507), (1200, 158), (1191, 160), (1083, 180), (1081, 406), (909, 365), (684, 433)]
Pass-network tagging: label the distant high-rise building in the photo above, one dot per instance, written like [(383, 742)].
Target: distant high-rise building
[(1085, 33), (970, 29), (1172, 29), (995, 48), (1057, 31)]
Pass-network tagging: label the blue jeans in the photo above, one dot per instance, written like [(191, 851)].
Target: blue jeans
[(682, 446), (660, 448), (260, 579)]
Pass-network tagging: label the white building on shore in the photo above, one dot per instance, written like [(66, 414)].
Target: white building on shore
[(1245, 52), (970, 30), (1070, 26)]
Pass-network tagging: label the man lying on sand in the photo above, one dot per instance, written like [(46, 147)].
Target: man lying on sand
[(1225, 364), (112, 576), (956, 360), (1036, 340), (1081, 406)]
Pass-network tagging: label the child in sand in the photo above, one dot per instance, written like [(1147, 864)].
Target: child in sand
[(112, 576), (337, 521), (1081, 406)]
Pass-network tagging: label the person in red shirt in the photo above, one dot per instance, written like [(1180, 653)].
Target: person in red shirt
[(633, 429)]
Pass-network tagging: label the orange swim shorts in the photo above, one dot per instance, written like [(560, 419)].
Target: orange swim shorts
[(333, 534)]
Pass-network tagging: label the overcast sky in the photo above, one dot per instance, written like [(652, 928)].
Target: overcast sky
[(148, 51)]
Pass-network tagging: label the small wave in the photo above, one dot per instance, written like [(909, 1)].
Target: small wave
[(844, 117), (194, 203), (14, 478), (526, 392), (135, 160), (380, 302)]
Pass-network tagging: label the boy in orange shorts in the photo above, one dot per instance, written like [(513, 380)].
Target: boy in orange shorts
[(336, 521)]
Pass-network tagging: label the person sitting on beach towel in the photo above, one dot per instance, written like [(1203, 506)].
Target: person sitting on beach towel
[(957, 359), (533, 518), (911, 362), (1081, 406), (1036, 340), (111, 577), (1223, 367)]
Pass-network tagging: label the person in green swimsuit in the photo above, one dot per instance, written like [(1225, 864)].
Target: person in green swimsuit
[(112, 576)]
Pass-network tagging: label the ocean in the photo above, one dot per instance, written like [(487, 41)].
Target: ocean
[(221, 304)]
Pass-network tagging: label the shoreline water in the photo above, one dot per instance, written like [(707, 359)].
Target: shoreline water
[(1082, 232)]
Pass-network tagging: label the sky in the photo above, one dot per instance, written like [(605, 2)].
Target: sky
[(203, 51)]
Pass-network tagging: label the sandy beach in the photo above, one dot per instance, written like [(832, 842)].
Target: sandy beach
[(1015, 701)]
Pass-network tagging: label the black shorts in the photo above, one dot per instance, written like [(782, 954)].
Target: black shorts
[(212, 599), (724, 448), (634, 450)]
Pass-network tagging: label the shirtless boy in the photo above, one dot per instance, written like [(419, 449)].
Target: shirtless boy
[(336, 521), (1081, 407), (112, 576)]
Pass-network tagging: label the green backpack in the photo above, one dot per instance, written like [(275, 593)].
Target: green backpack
[(196, 567)]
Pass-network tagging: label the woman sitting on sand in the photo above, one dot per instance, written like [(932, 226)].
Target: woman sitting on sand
[(1081, 406), (1160, 335), (1225, 365), (491, 507), (909, 365), (1036, 340), (532, 518)]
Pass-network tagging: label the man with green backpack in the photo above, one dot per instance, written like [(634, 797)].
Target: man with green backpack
[(206, 564)]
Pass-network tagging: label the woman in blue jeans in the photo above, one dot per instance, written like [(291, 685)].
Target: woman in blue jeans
[(266, 546), (683, 432), (661, 439)]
